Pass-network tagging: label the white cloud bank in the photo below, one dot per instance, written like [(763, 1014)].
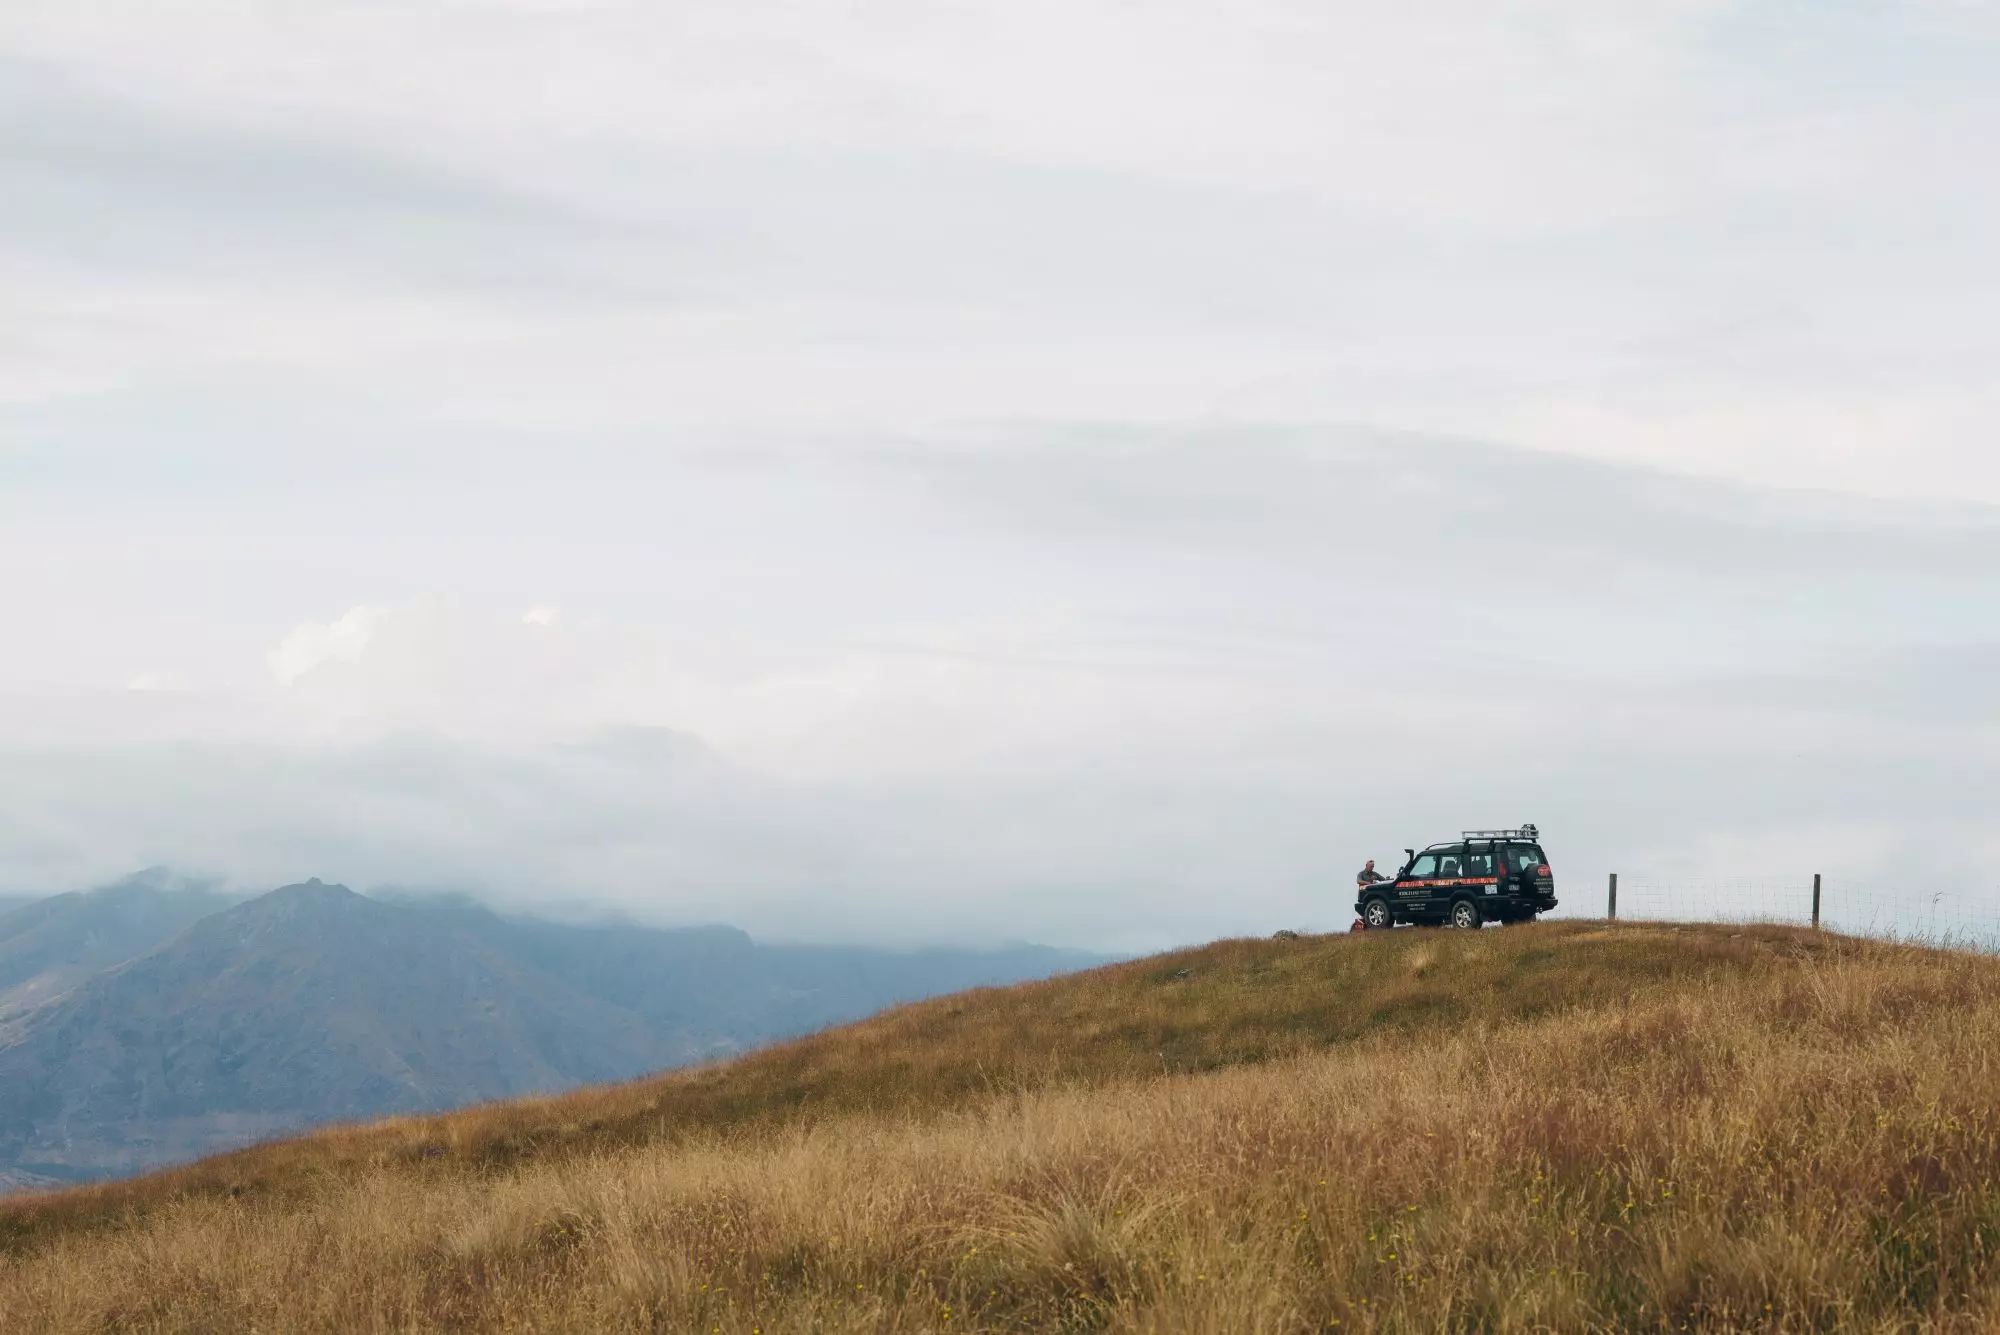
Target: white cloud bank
[(312, 645)]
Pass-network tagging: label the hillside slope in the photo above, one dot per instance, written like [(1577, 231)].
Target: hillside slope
[(1565, 1126)]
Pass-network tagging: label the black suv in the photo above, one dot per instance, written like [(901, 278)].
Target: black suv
[(1486, 876)]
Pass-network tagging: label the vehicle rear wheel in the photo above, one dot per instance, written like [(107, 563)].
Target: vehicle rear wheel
[(1465, 914), (1375, 914)]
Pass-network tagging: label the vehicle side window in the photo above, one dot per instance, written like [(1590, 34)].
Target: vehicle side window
[(1479, 864), (1427, 865)]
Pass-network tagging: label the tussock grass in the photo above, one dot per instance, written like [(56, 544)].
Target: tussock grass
[(1563, 1127)]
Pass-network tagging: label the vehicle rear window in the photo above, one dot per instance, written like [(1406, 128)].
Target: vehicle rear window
[(1526, 857)]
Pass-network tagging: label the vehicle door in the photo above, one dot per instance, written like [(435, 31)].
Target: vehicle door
[(1530, 868), (1415, 886), (1535, 874), (1450, 879)]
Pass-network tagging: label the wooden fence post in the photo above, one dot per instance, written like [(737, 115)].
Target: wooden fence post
[(1612, 912), (1815, 899)]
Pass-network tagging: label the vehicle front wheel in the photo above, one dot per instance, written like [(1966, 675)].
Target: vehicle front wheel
[(1375, 915), (1464, 914)]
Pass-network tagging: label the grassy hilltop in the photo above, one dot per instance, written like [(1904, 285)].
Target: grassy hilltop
[(1568, 1126)]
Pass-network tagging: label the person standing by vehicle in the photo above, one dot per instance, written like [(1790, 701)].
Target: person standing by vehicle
[(1366, 877)]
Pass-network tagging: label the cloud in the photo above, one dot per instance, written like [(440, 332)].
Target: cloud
[(1073, 587), (1249, 824), (1696, 235), (106, 182), (312, 645), (1393, 109), (153, 681)]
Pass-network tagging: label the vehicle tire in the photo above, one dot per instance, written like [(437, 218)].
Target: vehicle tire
[(1376, 915), (1465, 914)]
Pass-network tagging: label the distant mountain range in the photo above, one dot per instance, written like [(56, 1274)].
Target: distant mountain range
[(152, 1021)]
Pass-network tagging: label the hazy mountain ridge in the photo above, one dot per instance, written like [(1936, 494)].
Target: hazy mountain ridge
[(719, 979), (306, 1005), (49, 945), (313, 1004)]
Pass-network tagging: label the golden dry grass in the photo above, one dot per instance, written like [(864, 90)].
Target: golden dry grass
[(1560, 1127)]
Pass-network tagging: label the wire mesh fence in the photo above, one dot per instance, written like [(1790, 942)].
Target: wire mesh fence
[(1965, 916)]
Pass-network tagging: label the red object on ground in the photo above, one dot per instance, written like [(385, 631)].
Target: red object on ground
[(1359, 926)]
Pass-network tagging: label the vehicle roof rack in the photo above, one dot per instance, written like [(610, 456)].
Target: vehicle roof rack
[(1527, 832)]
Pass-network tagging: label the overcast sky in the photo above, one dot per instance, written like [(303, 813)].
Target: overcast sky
[(1087, 472)]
